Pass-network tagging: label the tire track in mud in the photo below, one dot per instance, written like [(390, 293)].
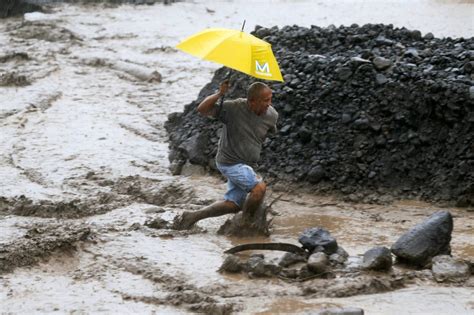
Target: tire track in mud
[(43, 240), (122, 192)]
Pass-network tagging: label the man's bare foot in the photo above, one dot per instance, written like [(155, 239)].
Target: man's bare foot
[(183, 221)]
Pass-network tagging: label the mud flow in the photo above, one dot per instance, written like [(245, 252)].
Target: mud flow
[(87, 198)]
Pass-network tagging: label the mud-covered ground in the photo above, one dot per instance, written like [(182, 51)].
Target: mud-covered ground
[(85, 92)]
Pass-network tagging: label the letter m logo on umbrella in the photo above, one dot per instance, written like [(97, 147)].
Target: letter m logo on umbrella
[(262, 68)]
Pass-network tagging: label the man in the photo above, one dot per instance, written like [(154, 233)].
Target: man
[(246, 124)]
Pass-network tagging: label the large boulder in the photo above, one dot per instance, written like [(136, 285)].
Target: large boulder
[(426, 240), (318, 240)]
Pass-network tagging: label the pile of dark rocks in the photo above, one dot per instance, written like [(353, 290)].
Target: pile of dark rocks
[(10, 8), (364, 110)]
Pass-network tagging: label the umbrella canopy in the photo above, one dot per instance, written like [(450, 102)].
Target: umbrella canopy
[(235, 49)]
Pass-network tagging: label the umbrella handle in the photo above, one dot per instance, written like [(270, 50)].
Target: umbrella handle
[(221, 101)]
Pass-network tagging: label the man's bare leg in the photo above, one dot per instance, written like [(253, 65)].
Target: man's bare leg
[(188, 218), (254, 201)]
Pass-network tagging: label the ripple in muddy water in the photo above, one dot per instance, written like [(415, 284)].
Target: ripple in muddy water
[(294, 226), (466, 251), (292, 306)]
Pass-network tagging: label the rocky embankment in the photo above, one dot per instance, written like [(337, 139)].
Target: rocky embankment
[(368, 111), (10, 8)]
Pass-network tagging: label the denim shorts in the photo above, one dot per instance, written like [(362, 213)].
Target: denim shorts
[(241, 179)]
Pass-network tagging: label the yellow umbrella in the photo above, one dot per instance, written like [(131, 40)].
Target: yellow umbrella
[(236, 50)]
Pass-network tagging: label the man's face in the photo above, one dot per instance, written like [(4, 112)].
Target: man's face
[(262, 102)]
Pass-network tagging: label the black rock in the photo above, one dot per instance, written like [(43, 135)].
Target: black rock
[(304, 134), (318, 240), (428, 36), (316, 174)]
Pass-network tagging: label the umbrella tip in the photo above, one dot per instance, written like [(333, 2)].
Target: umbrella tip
[(243, 25)]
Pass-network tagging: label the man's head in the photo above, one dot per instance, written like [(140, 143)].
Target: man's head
[(259, 97)]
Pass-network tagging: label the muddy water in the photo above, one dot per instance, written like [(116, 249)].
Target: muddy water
[(84, 142)]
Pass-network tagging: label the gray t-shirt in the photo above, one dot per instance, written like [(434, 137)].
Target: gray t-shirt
[(243, 132)]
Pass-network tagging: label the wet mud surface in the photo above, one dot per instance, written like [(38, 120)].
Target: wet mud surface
[(86, 197)]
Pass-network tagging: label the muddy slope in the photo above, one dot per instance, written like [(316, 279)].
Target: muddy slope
[(365, 111)]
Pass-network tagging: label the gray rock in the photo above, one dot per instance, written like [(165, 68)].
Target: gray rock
[(290, 259), (157, 223), (471, 92), (381, 63), (339, 257), (346, 118), (176, 167), (426, 240), (285, 130), (412, 52), (318, 263), (257, 267), (446, 268), (377, 258), (232, 264), (416, 35), (189, 169), (361, 123), (359, 61), (383, 41), (318, 240), (380, 79), (428, 36)]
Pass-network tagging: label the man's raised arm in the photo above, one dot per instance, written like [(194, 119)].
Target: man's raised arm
[(207, 105)]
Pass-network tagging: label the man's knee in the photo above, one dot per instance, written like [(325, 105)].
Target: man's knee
[(259, 190), (231, 205)]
